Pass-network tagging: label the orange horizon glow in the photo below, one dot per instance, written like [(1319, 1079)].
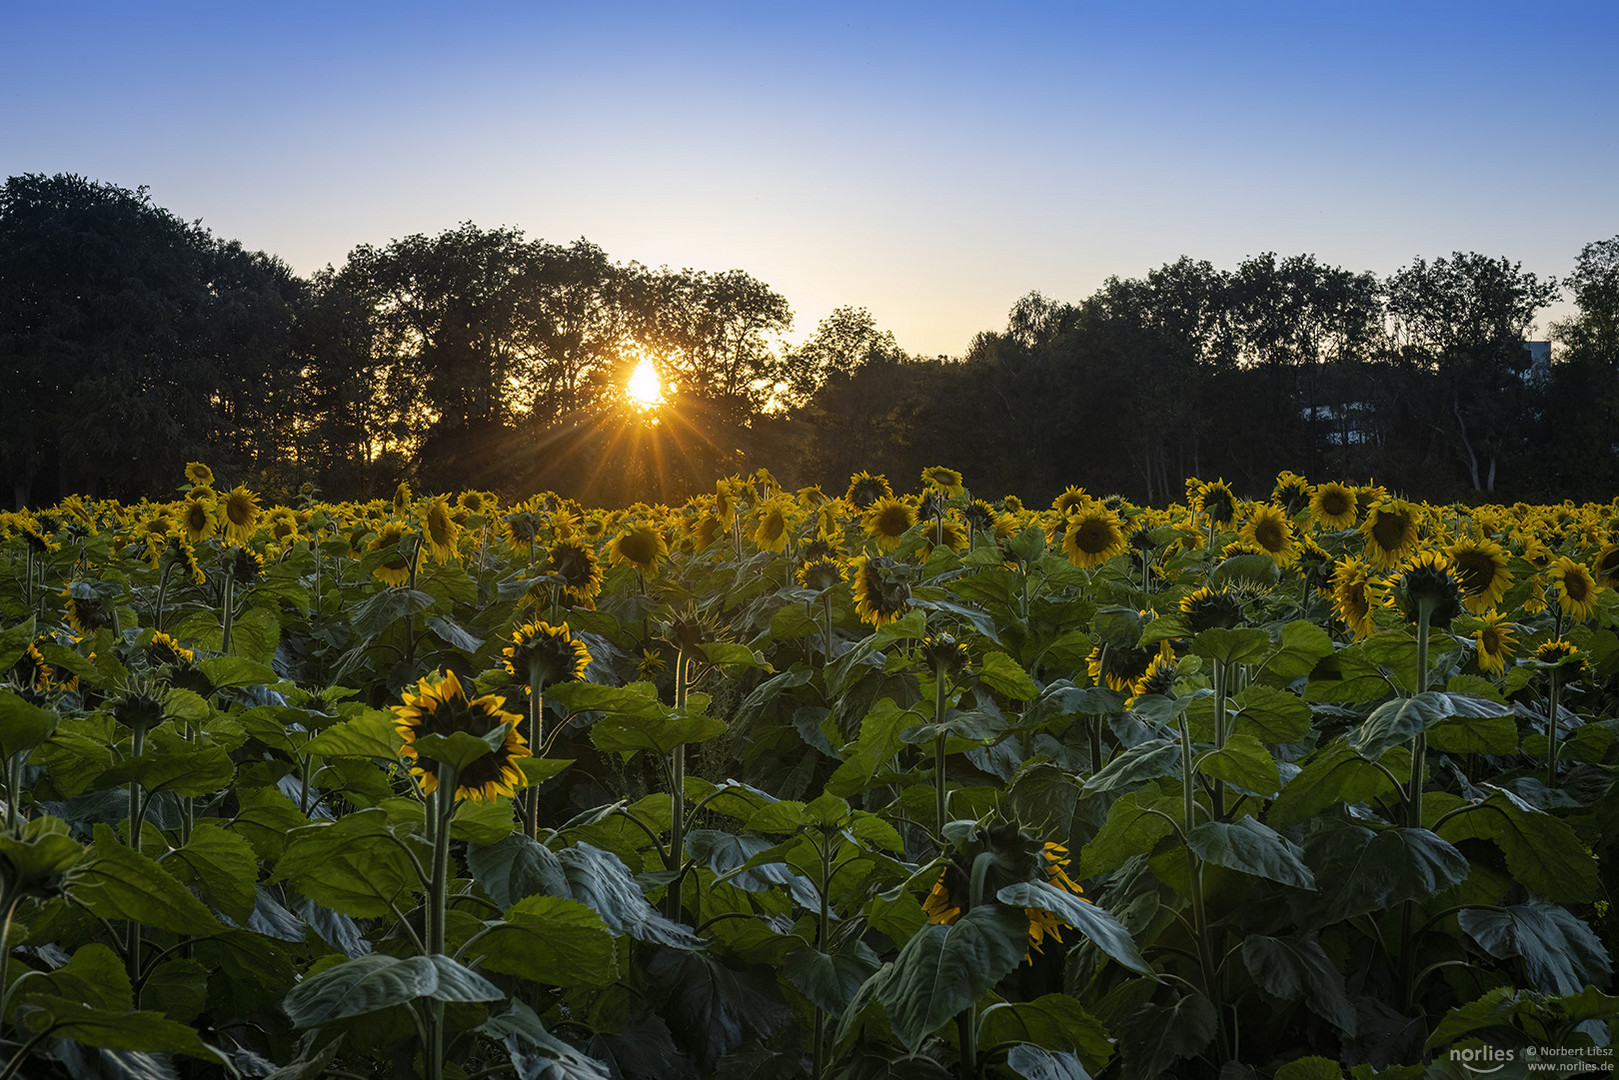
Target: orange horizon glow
[(645, 388)]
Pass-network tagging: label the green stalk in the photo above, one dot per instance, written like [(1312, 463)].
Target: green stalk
[(1194, 867), (823, 935), (1552, 746), (440, 808), (133, 952), (227, 611), (677, 796), (536, 743), (1221, 674), (8, 903), (13, 794), (826, 602), (1419, 751), (939, 688)]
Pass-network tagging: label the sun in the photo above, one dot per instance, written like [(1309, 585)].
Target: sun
[(645, 389)]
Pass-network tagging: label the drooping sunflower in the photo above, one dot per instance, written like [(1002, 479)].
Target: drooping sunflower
[(199, 517), (944, 902), (86, 612), (944, 651), (1217, 500), (542, 655), (887, 520), (641, 545), (402, 498), (880, 595), (1576, 589), (1495, 643), (1562, 654), (163, 649), (395, 570), (579, 569), (946, 480), (1207, 608), (1159, 678), (1481, 568), (865, 489), (1353, 597), (775, 525), (1426, 579), (820, 573), (246, 565), (439, 531), (1605, 567), (1291, 493), (1390, 529), (241, 513), (1269, 530), (1332, 505), (186, 556), (1070, 498), (1093, 535), (1120, 667), (443, 708)]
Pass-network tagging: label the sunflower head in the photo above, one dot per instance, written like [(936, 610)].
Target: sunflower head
[(820, 573), (1207, 608), (1092, 535), (640, 545), (1292, 492), (1268, 530), (865, 489), (1481, 569), (1562, 654), (1576, 589), (1425, 581), (1495, 643), (1120, 667), (164, 650), (1159, 678), (1354, 596), (199, 475), (1391, 529), (945, 480), (882, 593), (241, 514), (775, 524), (1605, 567), (402, 498), (440, 532), (395, 569), (443, 708), (246, 565), (1217, 500), (1333, 505), (541, 654), (579, 569), (1014, 856), (86, 610), (139, 708), (944, 652), (691, 627), (887, 520)]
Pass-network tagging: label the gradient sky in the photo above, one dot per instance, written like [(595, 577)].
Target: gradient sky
[(931, 161)]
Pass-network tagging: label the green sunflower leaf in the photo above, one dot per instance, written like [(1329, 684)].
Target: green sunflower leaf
[(1252, 848), (551, 940), (1100, 926), (1542, 851), (944, 969), (116, 882), (1053, 1022)]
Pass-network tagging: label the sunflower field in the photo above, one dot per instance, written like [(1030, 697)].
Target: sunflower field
[(807, 784)]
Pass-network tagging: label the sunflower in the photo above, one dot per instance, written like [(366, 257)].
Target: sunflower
[(1353, 597), (443, 708), (1480, 567), (476, 502), (1159, 678), (640, 545), (32, 671), (946, 532), (775, 525), (1495, 643), (1426, 579), (199, 475), (943, 904), (402, 498), (1332, 505), (440, 533), (186, 556), (579, 570), (1208, 608), (1605, 567), (944, 651), (246, 565), (865, 489), (87, 613), (1576, 589), (241, 514), (282, 523), (163, 649), (820, 573), (544, 654), (1269, 530), (946, 480), (199, 517), (887, 520), (1291, 493), (1560, 653), (1391, 532), (1071, 498), (394, 570), (1120, 667), (1093, 535), (1217, 500), (880, 596)]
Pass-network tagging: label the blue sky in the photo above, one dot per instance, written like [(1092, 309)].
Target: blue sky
[(929, 161)]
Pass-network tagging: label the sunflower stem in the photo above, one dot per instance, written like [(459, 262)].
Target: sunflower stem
[(1221, 677), (1194, 866), (440, 809), (227, 611), (536, 742), (1419, 751), (677, 796), (940, 686), (133, 951), (1552, 747)]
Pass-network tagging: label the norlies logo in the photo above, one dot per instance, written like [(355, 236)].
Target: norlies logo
[(1483, 1059)]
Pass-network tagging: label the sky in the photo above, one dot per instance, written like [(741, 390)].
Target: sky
[(931, 162)]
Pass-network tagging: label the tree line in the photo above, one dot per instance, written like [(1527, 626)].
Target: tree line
[(133, 341)]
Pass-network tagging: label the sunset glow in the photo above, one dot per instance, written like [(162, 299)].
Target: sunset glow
[(645, 388)]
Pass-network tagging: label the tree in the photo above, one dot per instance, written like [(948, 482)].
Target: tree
[(1464, 320), (842, 342)]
